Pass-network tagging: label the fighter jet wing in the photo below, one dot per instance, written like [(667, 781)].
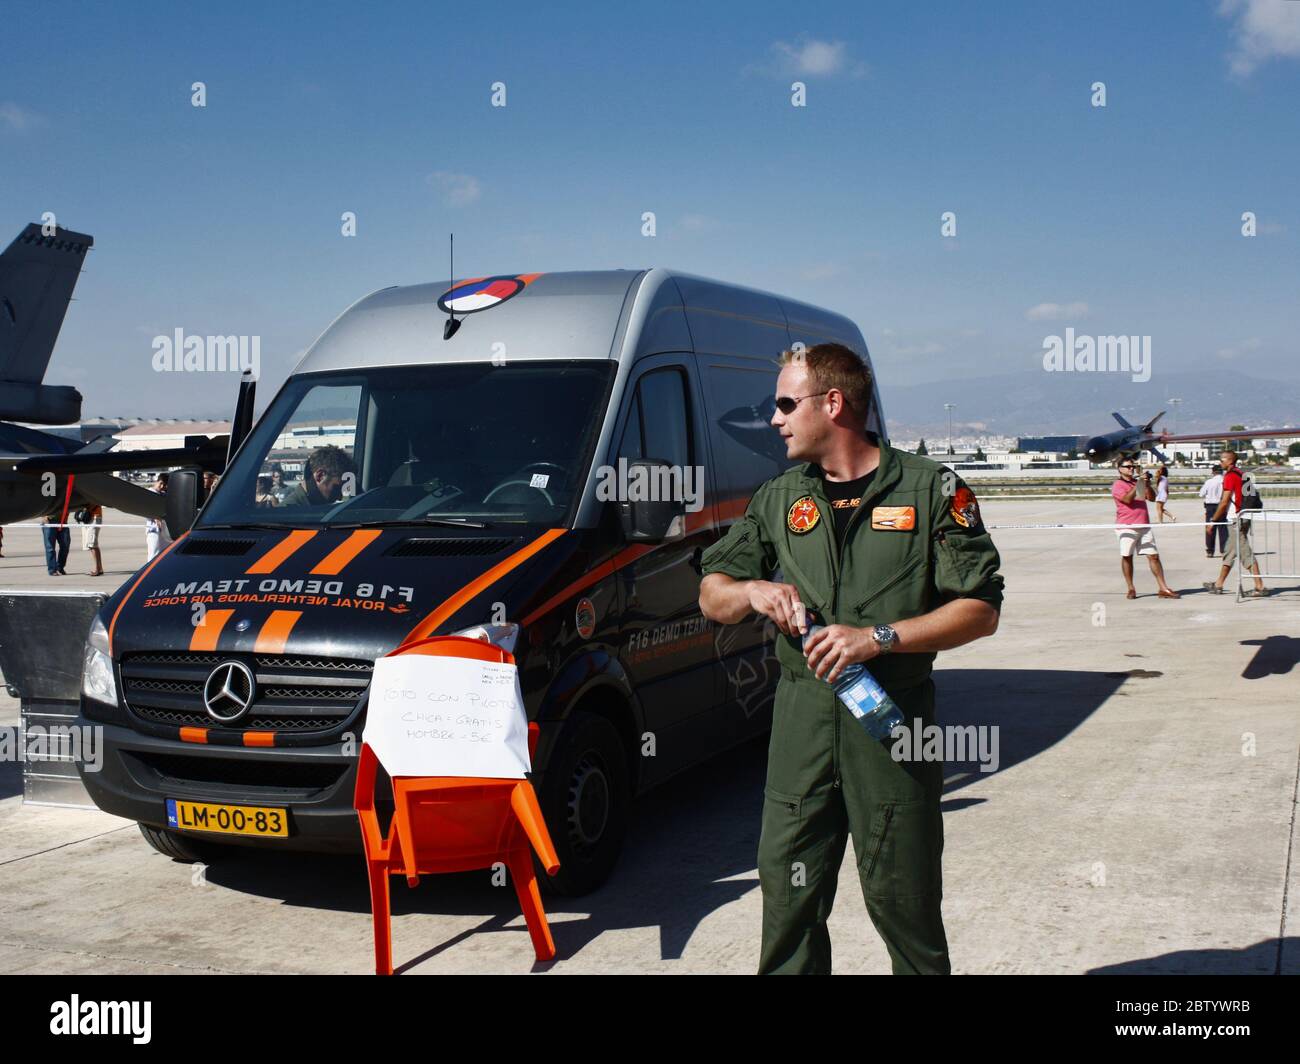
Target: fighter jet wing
[(1249, 434), (198, 451), (104, 489)]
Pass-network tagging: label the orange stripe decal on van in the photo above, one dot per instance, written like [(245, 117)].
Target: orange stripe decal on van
[(592, 576), (275, 632), (271, 560), (481, 583), (695, 522), (194, 735), (259, 738), (138, 581), (208, 634), (336, 560)]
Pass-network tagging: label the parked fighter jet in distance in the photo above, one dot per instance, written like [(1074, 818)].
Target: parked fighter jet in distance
[(1130, 439), (38, 273)]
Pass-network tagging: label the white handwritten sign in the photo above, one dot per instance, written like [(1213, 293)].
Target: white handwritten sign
[(432, 716)]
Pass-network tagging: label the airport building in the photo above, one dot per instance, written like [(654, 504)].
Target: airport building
[(1058, 444), (164, 434)]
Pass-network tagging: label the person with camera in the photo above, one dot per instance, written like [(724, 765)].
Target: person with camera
[(1131, 493)]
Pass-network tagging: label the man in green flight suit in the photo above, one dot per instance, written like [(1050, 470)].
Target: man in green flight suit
[(890, 551)]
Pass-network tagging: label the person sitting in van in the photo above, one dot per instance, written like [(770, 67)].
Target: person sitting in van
[(322, 478)]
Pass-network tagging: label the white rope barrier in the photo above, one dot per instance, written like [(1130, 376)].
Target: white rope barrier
[(1200, 525), (97, 524), (1011, 493)]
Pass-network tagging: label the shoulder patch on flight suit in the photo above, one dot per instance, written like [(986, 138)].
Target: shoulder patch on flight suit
[(802, 516), (965, 510), (896, 518)]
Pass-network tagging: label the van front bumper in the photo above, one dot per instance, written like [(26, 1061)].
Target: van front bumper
[(138, 773)]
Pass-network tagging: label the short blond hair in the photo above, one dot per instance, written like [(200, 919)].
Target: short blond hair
[(836, 366)]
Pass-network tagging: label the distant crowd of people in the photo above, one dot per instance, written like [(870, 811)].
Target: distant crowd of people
[(1226, 494)]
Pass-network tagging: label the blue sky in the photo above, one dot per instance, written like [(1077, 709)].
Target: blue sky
[(226, 219)]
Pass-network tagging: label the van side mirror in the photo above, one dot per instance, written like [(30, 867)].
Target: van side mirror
[(649, 513), (183, 486)]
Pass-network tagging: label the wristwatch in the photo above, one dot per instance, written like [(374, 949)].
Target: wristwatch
[(886, 638)]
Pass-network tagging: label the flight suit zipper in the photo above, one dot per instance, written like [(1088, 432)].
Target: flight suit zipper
[(837, 557), (741, 540), (823, 505), (878, 837)]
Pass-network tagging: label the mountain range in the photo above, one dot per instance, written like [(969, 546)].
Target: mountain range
[(1042, 403)]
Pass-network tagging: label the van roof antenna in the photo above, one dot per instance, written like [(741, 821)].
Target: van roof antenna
[(451, 325)]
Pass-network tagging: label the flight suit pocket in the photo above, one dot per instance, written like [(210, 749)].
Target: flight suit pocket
[(904, 854), (890, 582), (782, 822), (965, 564), (718, 556)]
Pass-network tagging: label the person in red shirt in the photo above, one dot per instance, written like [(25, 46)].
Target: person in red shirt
[(1239, 541), (1131, 494)]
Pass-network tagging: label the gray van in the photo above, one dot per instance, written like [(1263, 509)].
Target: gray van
[(497, 476)]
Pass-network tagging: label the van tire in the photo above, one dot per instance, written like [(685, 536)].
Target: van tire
[(585, 795), (176, 846)]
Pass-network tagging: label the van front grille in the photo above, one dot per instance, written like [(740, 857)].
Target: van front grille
[(298, 694)]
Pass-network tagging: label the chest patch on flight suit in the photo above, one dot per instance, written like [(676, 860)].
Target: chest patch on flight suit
[(895, 518), (965, 510), (802, 516)]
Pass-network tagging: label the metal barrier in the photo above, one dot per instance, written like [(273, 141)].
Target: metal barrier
[(1273, 536), (42, 639)]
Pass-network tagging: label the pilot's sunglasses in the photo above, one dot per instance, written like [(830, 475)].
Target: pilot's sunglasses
[(787, 403)]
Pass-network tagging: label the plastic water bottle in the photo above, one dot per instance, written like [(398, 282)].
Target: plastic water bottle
[(864, 698)]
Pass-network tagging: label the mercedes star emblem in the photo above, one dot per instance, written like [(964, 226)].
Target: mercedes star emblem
[(228, 692)]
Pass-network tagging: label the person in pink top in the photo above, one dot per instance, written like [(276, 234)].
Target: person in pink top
[(1131, 494)]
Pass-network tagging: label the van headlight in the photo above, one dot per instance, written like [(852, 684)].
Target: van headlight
[(499, 635), (97, 666)]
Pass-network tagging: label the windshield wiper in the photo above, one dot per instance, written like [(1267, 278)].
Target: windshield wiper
[(450, 522), (453, 522), (273, 528)]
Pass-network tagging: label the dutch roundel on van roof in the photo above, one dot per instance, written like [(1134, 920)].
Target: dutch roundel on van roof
[(483, 293)]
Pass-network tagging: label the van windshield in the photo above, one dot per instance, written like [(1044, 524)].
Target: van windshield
[(476, 444)]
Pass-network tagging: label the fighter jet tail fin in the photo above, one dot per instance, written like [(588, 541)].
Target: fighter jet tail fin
[(1150, 425), (1120, 418), (37, 276)]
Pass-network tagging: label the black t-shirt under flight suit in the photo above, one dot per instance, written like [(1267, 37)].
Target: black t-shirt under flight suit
[(845, 496)]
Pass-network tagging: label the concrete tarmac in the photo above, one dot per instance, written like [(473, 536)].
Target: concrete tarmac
[(1141, 818)]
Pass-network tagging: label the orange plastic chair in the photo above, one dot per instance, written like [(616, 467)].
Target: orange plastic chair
[(454, 824)]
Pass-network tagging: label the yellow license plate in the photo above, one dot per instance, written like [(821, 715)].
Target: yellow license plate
[(228, 819)]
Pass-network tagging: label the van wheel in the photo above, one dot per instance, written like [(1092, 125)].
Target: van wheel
[(585, 794), (176, 846)]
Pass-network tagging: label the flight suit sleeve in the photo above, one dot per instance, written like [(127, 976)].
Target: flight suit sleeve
[(745, 552), (966, 561)]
